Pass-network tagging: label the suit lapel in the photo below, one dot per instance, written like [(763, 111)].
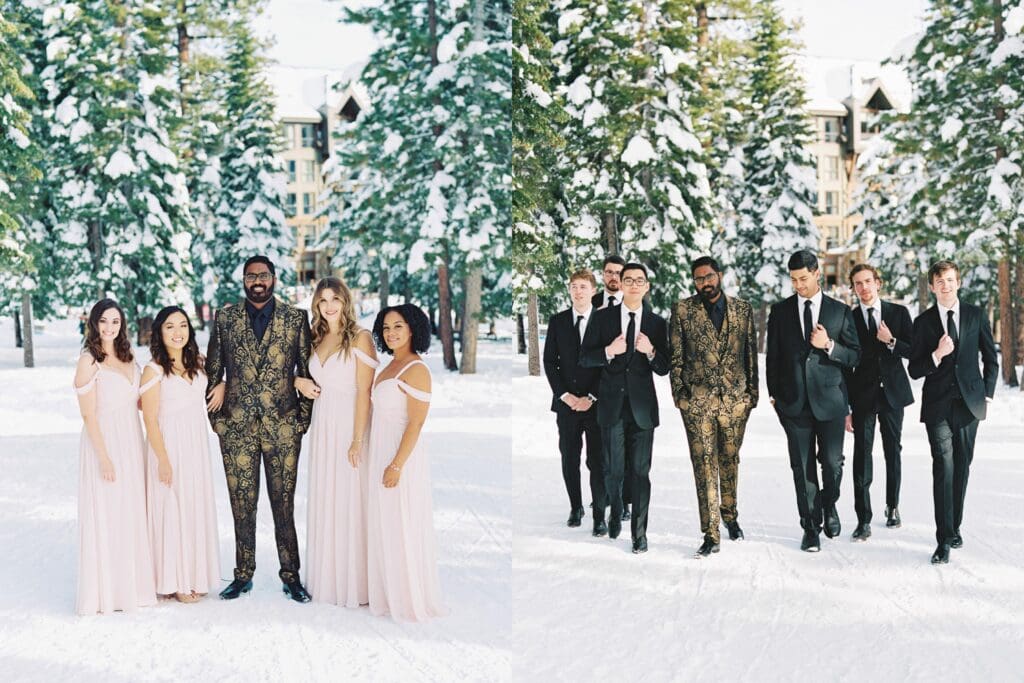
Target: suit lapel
[(243, 331), (798, 318), (723, 336)]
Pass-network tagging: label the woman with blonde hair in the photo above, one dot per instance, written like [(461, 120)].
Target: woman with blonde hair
[(342, 366)]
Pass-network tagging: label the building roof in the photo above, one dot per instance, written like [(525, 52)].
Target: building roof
[(825, 106), (301, 92)]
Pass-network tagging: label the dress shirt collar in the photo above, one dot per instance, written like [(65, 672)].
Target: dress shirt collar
[(815, 301)]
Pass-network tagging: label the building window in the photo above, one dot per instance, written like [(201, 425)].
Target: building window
[(832, 239), (307, 135), (288, 131), (831, 168), (831, 132), (291, 171), (832, 203), (308, 175), (289, 204), (308, 205)]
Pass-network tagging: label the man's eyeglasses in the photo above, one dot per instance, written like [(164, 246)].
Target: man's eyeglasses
[(638, 281), (707, 278), (613, 273), (262, 277)]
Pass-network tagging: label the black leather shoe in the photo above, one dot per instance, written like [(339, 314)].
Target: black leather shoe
[(600, 528), (575, 517), (832, 525), (735, 532), (810, 542), (862, 532), (958, 540), (941, 554), (892, 518), (625, 512), (296, 591), (639, 545), (706, 548), (236, 588), (614, 526)]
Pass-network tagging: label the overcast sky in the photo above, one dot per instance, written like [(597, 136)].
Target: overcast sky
[(308, 32)]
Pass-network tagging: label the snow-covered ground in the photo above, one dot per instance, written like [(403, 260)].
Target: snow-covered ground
[(263, 636), (588, 609)]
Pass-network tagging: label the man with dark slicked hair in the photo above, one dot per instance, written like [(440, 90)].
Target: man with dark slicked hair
[(811, 339)]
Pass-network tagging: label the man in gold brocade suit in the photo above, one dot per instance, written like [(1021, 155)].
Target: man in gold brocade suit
[(714, 384), (262, 345)]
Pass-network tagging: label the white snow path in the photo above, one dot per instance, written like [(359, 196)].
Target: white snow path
[(262, 636), (588, 609)]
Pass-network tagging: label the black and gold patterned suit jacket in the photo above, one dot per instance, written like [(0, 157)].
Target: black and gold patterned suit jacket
[(260, 375), (713, 370)]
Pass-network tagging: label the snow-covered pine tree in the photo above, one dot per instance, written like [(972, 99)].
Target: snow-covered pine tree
[(117, 222), (777, 207), (537, 118), (963, 136), (638, 180), (250, 214), (18, 174)]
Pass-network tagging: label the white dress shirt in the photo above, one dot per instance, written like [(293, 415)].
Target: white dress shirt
[(942, 320), (877, 313), (583, 323), (815, 310), (609, 299)]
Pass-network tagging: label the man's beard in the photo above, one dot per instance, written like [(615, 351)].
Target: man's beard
[(259, 298), (612, 286), (709, 293)]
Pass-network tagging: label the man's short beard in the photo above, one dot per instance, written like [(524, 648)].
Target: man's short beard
[(259, 298), (613, 287), (709, 296)]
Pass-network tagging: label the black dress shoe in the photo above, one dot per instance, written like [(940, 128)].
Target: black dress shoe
[(625, 512), (832, 525), (614, 526), (600, 528), (862, 532), (236, 588), (892, 518), (958, 540), (810, 542), (575, 517), (639, 545), (941, 554), (735, 532), (296, 591), (706, 548)]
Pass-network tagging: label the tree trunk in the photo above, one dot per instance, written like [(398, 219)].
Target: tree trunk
[(471, 319), (1017, 287), (444, 322), (520, 334), (383, 286), (17, 327), (611, 234), (923, 294), (1007, 334), (533, 335), (761, 322), (183, 56), (26, 333)]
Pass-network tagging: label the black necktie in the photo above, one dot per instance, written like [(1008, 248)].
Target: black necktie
[(951, 330), (807, 322), (579, 319), (630, 333), (872, 326)]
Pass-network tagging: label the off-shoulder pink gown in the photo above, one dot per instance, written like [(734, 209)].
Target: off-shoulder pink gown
[(115, 565), (183, 516), (403, 579)]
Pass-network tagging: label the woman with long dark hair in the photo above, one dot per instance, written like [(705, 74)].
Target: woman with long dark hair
[(115, 566), (342, 366), (402, 570), (180, 504)]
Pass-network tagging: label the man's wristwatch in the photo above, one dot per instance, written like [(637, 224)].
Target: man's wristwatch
[(593, 399), (891, 344)]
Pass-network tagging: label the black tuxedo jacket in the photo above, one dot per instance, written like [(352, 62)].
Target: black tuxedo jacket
[(561, 361), (797, 372), (863, 380), (598, 299), (958, 372), (632, 375)]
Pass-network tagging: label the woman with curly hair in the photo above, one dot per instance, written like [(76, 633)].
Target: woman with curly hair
[(115, 566), (181, 510), (342, 366), (402, 569)]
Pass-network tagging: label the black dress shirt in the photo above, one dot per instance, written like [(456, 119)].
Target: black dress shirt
[(259, 318)]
